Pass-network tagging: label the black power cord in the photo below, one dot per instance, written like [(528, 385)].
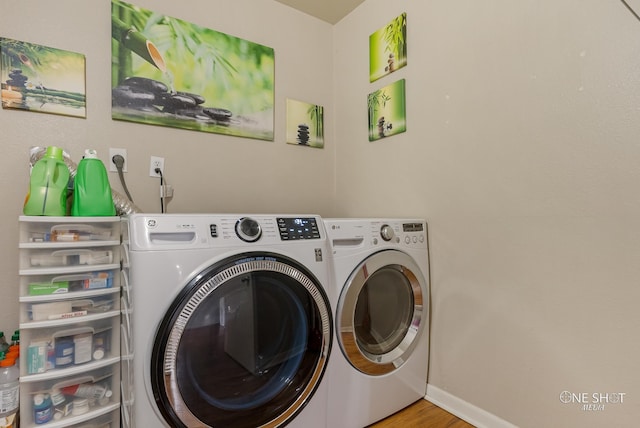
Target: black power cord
[(159, 172)]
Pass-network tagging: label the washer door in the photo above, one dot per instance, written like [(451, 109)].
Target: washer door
[(245, 344), (382, 310)]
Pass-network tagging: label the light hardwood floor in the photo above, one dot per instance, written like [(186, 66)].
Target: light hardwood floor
[(422, 414)]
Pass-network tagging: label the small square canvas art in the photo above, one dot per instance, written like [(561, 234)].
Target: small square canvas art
[(388, 48), (387, 111), (305, 124)]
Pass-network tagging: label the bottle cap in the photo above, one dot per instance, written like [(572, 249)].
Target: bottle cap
[(54, 152), (98, 354), (38, 399), (90, 154), (80, 406)]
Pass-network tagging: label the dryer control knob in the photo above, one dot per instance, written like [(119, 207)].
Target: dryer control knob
[(386, 232), (248, 229)]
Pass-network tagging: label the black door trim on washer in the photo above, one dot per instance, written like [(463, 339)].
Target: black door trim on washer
[(295, 297)]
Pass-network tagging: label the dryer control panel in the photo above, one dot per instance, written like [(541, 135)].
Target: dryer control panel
[(293, 228), (363, 233), (411, 234)]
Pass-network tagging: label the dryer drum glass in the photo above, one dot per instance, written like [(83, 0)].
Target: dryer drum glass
[(383, 312)]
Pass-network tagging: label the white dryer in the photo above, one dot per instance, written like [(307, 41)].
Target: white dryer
[(232, 325), (380, 356)]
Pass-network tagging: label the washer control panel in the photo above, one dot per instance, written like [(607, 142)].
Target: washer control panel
[(190, 231)]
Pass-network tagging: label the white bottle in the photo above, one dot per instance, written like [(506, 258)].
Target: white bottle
[(9, 389)]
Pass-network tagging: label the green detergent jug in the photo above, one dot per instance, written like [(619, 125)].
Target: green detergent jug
[(92, 194), (48, 185)]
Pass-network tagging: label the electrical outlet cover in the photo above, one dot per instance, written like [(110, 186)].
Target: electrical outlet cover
[(156, 162), (112, 165)]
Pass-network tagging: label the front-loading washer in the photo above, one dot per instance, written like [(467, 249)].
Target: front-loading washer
[(231, 321), (379, 361)]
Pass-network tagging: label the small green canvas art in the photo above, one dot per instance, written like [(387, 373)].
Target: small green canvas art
[(388, 48), (305, 124), (387, 111)]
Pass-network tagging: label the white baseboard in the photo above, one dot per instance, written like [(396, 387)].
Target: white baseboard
[(466, 411)]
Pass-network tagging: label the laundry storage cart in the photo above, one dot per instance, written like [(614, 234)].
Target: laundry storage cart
[(70, 321)]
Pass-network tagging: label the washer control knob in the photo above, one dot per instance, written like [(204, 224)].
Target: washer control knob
[(248, 229), (386, 232)]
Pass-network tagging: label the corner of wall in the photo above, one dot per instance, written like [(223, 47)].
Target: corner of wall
[(474, 415)]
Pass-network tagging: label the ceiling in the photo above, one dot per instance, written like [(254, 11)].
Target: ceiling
[(330, 11)]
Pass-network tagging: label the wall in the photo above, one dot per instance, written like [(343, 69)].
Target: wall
[(522, 152), (210, 172)]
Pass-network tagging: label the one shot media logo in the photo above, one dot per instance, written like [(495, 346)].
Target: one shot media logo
[(593, 401)]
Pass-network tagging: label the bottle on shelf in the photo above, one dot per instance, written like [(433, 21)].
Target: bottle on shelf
[(87, 390), (42, 408), (4, 346), (14, 347), (13, 354), (92, 194), (9, 392), (60, 404), (48, 185), (15, 338)]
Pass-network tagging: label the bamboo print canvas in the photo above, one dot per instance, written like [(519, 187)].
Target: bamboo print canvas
[(387, 111), (169, 72), (305, 124), (42, 79), (388, 48)]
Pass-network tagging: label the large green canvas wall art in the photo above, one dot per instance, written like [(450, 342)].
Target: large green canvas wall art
[(42, 79), (388, 48), (387, 111), (169, 72)]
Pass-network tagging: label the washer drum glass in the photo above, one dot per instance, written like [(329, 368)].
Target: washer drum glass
[(245, 344)]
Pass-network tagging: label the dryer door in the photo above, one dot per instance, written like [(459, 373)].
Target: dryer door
[(245, 344), (382, 311)]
